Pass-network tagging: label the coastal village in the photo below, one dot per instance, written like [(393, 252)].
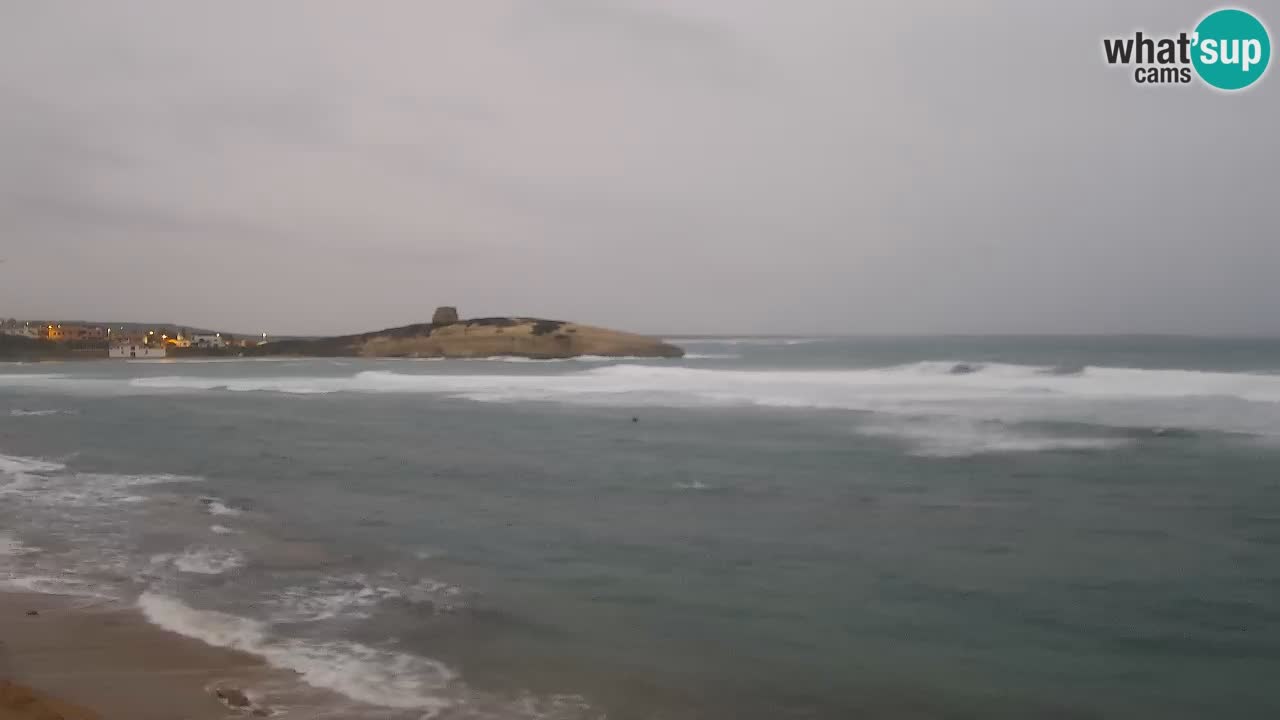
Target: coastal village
[(128, 341)]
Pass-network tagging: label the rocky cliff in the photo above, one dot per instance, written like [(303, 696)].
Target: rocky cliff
[(450, 337)]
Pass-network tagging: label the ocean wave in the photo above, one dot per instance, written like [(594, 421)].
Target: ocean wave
[(365, 674), (953, 437), (211, 360), (55, 585), (746, 340), (62, 383), (1113, 396), (29, 378), (96, 489), (47, 483), (11, 546), (612, 358), (298, 385), (40, 413), (90, 516), (819, 388), (203, 561), (355, 596), (441, 596), (371, 676), (19, 465), (222, 530), (352, 596), (522, 359), (215, 506)]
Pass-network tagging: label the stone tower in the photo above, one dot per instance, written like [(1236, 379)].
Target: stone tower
[(445, 315)]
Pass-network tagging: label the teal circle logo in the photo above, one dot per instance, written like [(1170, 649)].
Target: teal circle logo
[(1231, 49)]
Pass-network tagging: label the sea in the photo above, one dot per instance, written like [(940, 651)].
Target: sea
[(768, 528)]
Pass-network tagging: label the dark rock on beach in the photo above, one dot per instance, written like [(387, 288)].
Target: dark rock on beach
[(233, 697)]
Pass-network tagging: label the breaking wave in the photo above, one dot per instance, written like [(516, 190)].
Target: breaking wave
[(941, 380), (19, 466), (47, 483), (217, 507), (783, 341), (54, 585), (1115, 396), (11, 546), (711, 356), (369, 675), (362, 673), (203, 561), (356, 595), (963, 437)]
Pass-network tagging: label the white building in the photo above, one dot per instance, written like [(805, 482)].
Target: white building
[(135, 350), (208, 341)]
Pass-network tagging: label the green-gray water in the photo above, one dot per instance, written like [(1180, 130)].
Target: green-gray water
[(769, 528)]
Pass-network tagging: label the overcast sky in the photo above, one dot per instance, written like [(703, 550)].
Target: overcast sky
[(656, 165)]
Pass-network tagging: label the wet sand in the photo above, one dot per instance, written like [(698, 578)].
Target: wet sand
[(83, 660)]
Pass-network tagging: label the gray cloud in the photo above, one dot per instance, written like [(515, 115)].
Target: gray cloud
[(724, 165)]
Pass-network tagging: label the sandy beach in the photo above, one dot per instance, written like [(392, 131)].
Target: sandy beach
[(83, 660)]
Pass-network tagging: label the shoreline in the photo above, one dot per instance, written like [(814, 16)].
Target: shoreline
[(85, 659)]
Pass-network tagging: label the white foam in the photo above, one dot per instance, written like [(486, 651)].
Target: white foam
[(23, 476), (964, 437), (19, 465), (611, 358), (442, 595), (209, 626), (356, 595), (522, 359), (61, 383), (210, 360), (205, 561), (806, 387), (1010, 393), (40, 413), (222, 530), (351, 596), (369, 675), (512, 359), (92, 489), (11, 546), (187, 383), (782, 341), (68, 505), (44, 486), (216, 507), (54, 585), (28, 378), (137, 480)]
